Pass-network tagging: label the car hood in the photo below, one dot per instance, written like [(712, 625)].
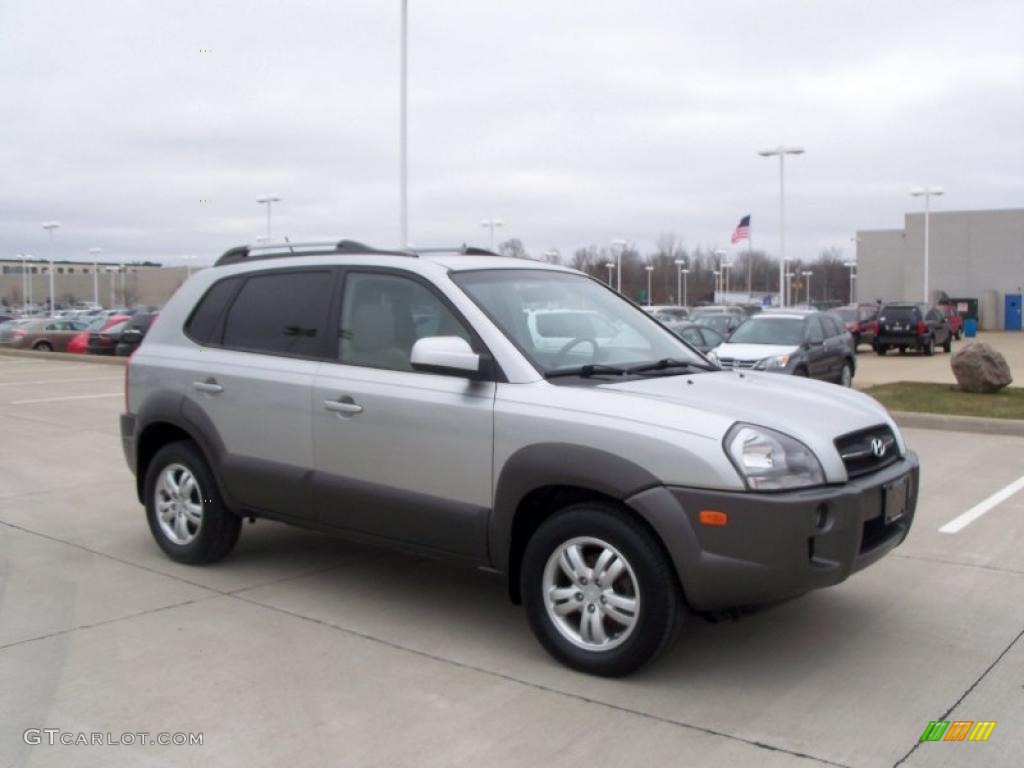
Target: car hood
[(814, 412), (753, 351)]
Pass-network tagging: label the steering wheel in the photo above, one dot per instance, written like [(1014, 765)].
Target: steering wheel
[(564, 351)]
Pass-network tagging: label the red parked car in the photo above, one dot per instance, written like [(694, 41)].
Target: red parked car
[(956, 323), (80, 341), (861, 320)]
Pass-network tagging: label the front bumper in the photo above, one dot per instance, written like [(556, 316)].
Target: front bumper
[(777, 545)]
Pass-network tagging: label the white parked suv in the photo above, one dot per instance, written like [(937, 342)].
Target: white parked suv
[(619, 479)]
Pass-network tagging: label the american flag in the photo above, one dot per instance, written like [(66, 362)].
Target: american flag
[(742, 231)]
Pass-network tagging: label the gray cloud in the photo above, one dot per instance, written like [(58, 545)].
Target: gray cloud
[(574, 122)]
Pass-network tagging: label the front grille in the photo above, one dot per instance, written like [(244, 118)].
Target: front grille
[(728, 362), (859, 450)]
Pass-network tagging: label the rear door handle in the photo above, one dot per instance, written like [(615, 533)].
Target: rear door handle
[(345, 405), (209, 386)]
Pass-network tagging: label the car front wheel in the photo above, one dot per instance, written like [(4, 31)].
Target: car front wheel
[(185, 513), (599, 590)]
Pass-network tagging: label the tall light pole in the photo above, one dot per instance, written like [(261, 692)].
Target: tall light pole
[(611, 266), (685, 272), (782, 151), (807, 273), (50, 226), (720, 283), (650, 271), (24, 284), (927, 193), (491, 224), (789, 276), (620, 247), (95, 253), (28, 256), (268, 200), (718, 287), (124, 293), (786, 293), (680, 263), (850, 265), (726, 267), (403, 128)]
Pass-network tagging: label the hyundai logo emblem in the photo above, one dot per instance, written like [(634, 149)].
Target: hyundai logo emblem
[(878, 447)]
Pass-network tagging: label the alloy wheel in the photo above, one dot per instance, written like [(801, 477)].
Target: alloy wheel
[(179, 504), (591, 594)]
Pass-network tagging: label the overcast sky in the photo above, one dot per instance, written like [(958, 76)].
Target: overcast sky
[(573, 121)]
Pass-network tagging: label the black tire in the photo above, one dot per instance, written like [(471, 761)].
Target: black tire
[(801, 371), (948, 346), (43, 346), (903, 350), (928, 347), (881, 349), (660, 600), (843, 380), (218, 530)]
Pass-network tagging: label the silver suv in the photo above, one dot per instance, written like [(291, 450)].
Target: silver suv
[(517, 416)]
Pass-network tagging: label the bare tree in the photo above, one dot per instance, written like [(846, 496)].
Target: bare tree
[(513, 247)]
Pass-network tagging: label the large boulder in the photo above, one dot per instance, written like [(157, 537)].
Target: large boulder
[(979, 368)]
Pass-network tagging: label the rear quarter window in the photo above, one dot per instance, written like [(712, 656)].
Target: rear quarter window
[(203, 326)]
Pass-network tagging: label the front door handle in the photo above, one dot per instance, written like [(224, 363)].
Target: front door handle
[(209, 386), (344, 405)]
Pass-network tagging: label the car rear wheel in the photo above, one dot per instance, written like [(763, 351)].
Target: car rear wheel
[(599, 590), (929, 346), (881, 349), (947, 347), (43, 346), (185, 513), (846, 375)]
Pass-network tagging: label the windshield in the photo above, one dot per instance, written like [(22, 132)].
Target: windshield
[(562, 321), (770, 330), (720, 321)]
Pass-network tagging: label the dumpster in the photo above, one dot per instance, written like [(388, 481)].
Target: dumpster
[(970, 327)]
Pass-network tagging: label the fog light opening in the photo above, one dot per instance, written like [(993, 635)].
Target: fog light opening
[(821, 518)]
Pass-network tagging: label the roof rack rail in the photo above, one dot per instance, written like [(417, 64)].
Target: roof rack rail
[(277, 250)]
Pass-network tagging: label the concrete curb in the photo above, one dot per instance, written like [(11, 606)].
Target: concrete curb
[(975, 424), (63, 356)]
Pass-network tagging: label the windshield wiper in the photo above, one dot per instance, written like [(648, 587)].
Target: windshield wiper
[(668, 362), (586, 371)]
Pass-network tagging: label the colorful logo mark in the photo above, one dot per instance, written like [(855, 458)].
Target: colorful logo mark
[(958, 730)]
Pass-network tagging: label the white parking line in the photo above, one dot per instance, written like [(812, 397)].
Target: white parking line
[(960, 522), (57, 381), (70, 397)]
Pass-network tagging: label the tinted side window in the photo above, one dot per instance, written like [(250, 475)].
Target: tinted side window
[(282, 313), (204, 324), (832, 328), (812, 330), (383, 315)]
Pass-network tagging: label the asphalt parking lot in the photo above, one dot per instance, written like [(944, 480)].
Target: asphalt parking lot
[(305, 650)]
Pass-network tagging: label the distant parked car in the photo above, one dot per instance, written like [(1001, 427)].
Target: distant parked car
[(134, 333), (799, 342), (44, 335), (906, 325), (104, 342), (703, 337), (79, 343), (723, 319), (668, 312), (956, 323), (861, 320)]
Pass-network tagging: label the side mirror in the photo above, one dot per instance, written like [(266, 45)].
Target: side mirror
[(450, 355)]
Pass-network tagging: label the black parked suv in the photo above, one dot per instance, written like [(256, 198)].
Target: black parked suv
[(905, 325)]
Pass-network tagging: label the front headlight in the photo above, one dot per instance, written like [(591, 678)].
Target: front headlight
[(770, 363), (771, 461)]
